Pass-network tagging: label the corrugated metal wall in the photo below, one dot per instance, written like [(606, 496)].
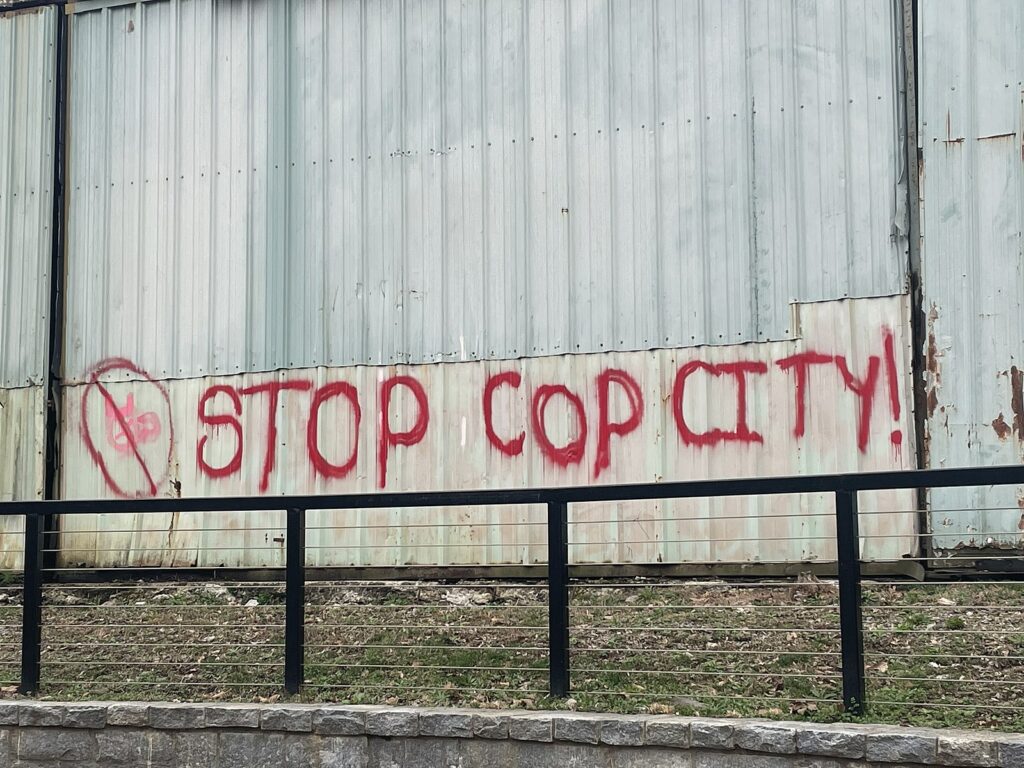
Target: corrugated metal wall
[(971, 99), (267, 184), (308, 184), (143, 438), (27, 42), (26, 172)]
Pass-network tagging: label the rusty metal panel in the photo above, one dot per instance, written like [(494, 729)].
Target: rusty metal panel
[(972, 188), (261, 185), (26, 173), (832, 399)]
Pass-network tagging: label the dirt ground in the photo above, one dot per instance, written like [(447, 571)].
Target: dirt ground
[(937, 653)]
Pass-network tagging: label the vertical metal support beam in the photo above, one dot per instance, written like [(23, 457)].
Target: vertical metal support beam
[(918, 313), (55, 316), (295, 601), (558, 598), (851, 624), (32, 605)]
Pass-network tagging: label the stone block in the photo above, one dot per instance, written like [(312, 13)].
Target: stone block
[(393, 722), (387, 753), (751, 760), (909, 747), (10, 712), (1011, 752), (177, 716), (194, 750), (344, 752), (967, 750), (650, 757), (830, 741), (764, 737), (668, 732), (128, 714), (232, 717), (491, 726), (623, 732), (582, 729), (47, 745), (490, 753), (121, 747), (40, 715), (561, 755), (300, 751), (450, 725), (292, 719), (250, 750), (429, 752), (339, 722), (711, 734), (530, 728), (162, 748), (85, 716)]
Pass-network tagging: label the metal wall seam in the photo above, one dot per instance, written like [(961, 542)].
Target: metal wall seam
[(338, 183)]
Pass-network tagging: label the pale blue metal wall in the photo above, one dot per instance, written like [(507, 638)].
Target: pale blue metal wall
[(27, 88), (260, 185)]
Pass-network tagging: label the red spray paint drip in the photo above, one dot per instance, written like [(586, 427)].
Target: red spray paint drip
[(894, 389)]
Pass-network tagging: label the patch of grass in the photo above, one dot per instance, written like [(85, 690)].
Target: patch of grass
[(950, 655)]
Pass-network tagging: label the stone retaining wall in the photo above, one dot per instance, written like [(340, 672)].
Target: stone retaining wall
[(118, 735)]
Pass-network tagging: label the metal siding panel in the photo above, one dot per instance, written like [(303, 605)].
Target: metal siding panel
[(21, 471), (971, 99), (167, 440), (263, 185), (26, 174)]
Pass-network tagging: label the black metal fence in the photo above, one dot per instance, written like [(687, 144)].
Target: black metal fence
[(560, 651)]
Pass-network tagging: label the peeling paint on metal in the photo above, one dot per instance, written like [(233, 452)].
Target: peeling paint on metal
[(1001, 427), (1017, 400), (972, 271)]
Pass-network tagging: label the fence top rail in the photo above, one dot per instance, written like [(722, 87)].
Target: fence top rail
[(690, 489)]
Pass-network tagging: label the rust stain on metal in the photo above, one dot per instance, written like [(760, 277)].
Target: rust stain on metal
[(1017, 401), (1020, 503), (1001, 427), (1009, 135), (932, 363)]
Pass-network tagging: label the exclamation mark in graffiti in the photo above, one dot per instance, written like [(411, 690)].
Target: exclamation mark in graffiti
[(896, 436)]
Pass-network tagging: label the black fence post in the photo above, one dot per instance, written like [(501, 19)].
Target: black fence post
[(558, 598), (295, 601), (851, 624), (32, 605)]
